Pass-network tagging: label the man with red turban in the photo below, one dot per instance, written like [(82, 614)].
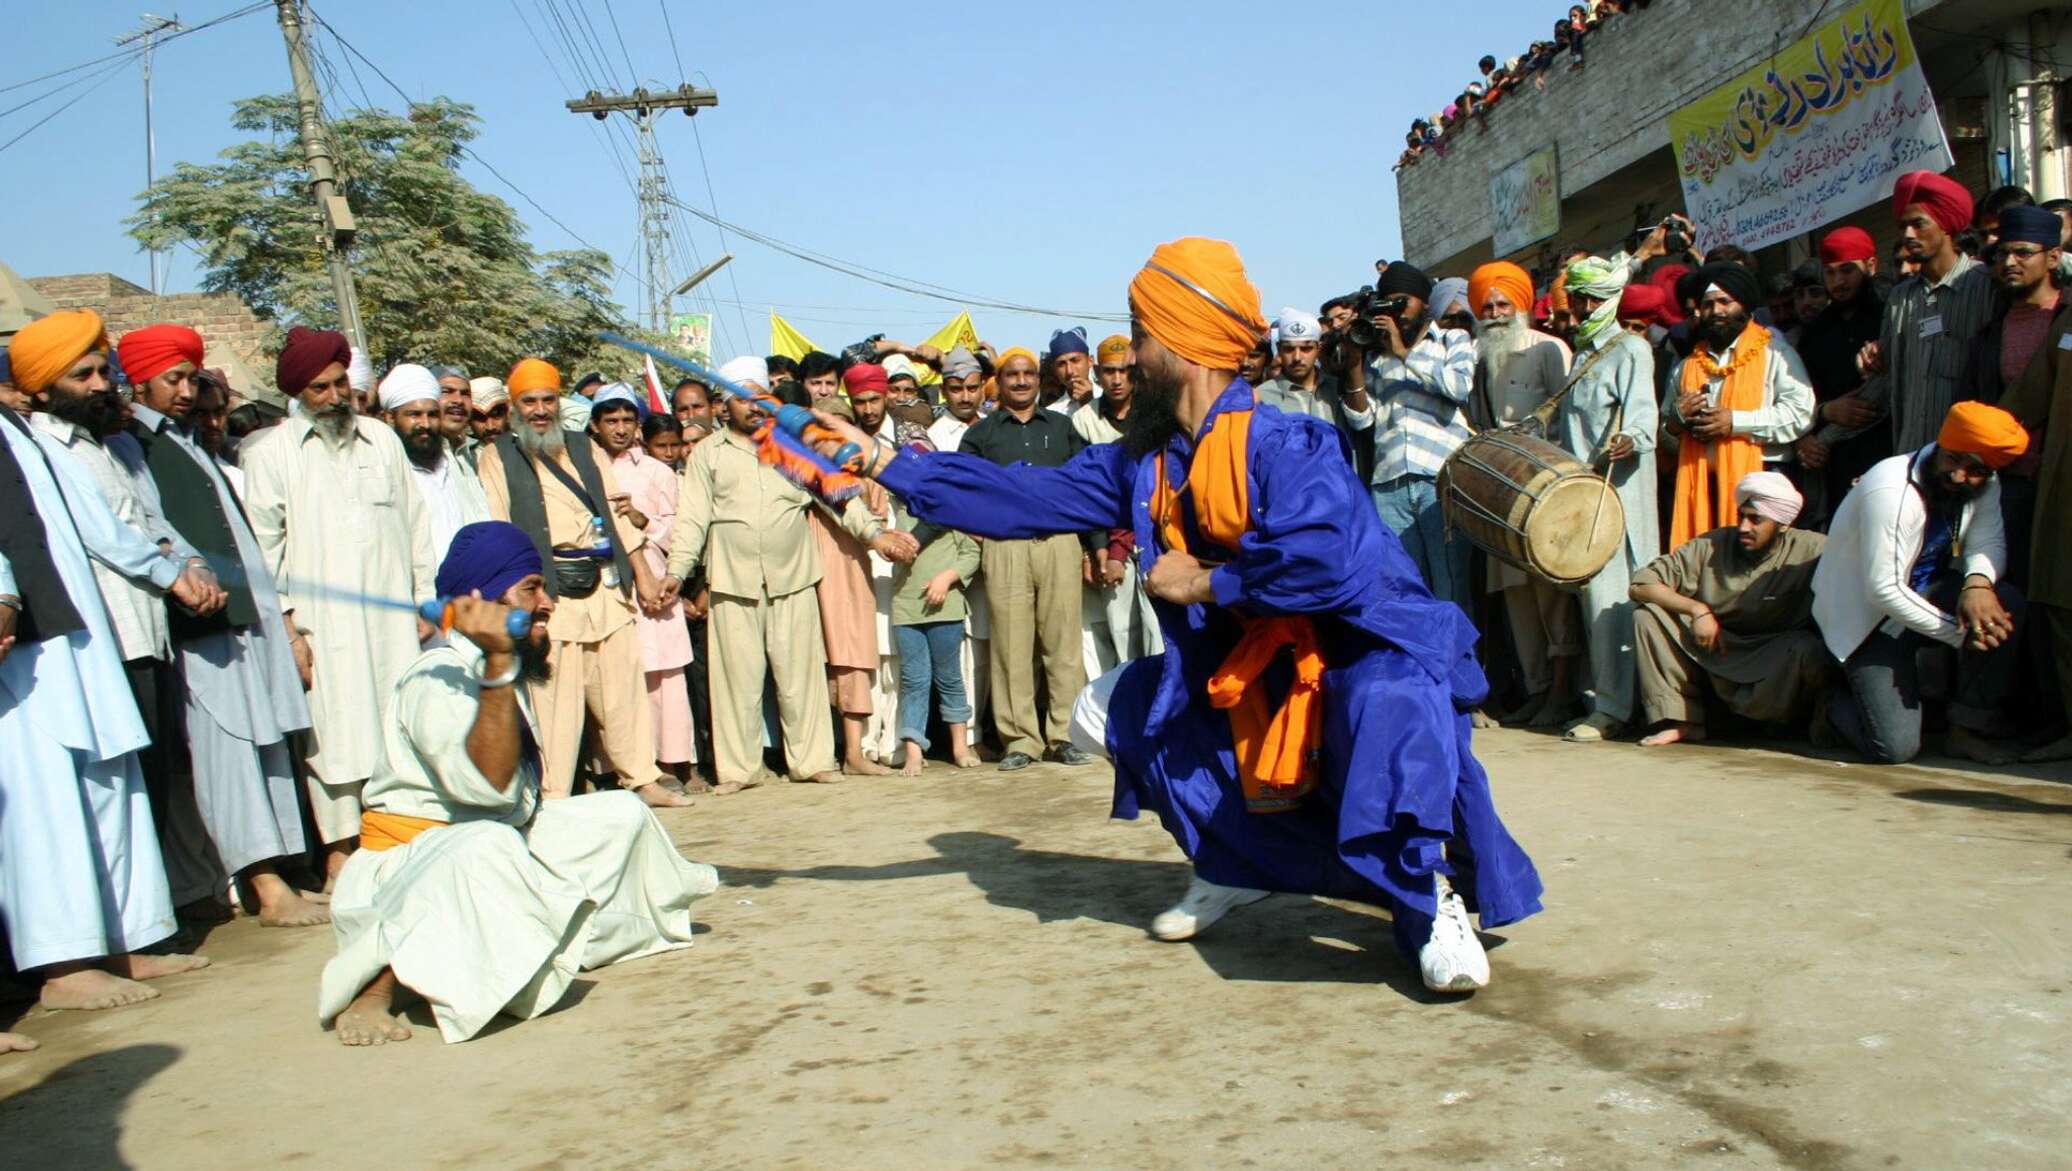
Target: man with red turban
[(340, 526), (1915, 558), (241, 695), (1829, 344), (1517, 368), (1918, 366), (1344, 772)]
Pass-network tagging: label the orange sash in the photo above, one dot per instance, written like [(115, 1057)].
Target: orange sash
[(1707, 472), (1277, 752), (385, 831)]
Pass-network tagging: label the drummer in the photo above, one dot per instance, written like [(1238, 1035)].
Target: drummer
[(1608, 421), (1517, 369)]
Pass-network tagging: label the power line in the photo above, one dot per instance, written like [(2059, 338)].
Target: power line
[(100, 80), (126, 54), (732, 282), (671, 26), (614, 18), (893, 281)]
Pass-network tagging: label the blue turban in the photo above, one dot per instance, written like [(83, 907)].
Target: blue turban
[(490, 556), (2031, 225), (1068, 341)]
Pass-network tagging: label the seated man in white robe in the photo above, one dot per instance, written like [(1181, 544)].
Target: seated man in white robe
[(467, 890)]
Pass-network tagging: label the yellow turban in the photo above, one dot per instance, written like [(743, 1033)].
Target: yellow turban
[(1114, 350), (1501, 277), (532, 374), (1013, 352), (1193, 297), (1985, 431), (46, 347)]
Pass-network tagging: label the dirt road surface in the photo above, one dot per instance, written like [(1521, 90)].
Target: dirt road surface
[(1748, 959)]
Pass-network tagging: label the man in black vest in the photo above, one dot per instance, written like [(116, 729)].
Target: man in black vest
[(558, 487), (241, 694)]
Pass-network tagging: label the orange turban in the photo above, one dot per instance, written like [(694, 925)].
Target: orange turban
[(1985, 431), (151, 351), (1500, 277), (1114, 350), (1193, 297), (46, 347), (532, 374), (1013, 352)]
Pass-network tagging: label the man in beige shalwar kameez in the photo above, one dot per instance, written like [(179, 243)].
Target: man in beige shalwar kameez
[(1729, 616), (337, 519)]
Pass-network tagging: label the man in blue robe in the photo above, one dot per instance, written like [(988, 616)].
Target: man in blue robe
[(1377, 796)]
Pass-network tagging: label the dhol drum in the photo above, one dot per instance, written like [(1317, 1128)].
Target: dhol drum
[(1527, 501)]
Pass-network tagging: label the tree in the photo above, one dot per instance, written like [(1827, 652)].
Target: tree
[(444, 271)]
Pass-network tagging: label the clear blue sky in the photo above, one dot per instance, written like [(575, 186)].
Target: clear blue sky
[(1033, 155)]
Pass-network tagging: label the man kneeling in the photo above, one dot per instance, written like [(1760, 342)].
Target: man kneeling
[(467, 889)]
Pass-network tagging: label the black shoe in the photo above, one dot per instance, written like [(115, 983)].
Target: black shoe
[(1016, 760), (1069, 754)]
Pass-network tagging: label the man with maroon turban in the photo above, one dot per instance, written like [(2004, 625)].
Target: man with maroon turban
[(338, 522), (1918, 366), (1915, 559)]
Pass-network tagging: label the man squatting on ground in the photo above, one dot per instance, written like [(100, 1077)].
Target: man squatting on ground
[(1342, 769)]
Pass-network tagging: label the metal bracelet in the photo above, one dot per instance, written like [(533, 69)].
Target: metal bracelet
[(503, 680)]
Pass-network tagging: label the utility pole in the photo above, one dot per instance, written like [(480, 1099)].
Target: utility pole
[(149, 34), (339, 227), (653, 192)]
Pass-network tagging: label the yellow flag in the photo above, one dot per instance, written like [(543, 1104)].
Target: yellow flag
[(959, 332), (788, 341)]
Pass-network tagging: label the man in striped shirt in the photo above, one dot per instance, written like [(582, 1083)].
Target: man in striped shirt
[(1917, 369), (1419, 382)]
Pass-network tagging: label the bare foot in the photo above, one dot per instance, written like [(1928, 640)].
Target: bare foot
[(967, 759), (830, 777), (1962, 742), (149, 967), (1482, 719), (657, 797), (87, 989), (16, 1043), (1675, 733), (864, 766), (2059, 749), (369, 1021), (911, 766), (313, 896), (293, 911)]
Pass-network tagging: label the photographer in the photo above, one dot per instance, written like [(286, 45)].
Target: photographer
[(1420, 377)]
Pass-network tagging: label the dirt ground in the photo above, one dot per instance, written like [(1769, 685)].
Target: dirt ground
[(1748, 958)]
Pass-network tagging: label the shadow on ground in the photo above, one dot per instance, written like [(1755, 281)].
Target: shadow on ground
[(1286, 938), (73, 1118)]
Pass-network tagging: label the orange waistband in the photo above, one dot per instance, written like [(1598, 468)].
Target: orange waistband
[(383, 831), (1277, 751)]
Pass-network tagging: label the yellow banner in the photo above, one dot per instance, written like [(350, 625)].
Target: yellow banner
[(1813, 133), (788, 341)]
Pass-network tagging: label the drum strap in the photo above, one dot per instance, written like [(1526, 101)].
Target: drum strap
[(1544, 413), (1278, 752)]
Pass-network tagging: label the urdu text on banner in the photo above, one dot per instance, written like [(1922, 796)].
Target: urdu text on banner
[(1811, 134), (1525, 202)]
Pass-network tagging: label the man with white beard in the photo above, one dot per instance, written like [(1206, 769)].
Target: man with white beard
[(331, 503)]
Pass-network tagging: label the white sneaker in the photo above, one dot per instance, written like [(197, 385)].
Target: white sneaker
[(1452, 960), (1202, 905)]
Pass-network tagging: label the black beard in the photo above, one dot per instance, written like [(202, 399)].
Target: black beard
[(94, 413), (425, 448), (1154, 417), (1718, 335), (1947, 497), (1413, 328), (533, 666)]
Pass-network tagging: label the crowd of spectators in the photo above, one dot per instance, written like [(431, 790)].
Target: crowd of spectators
[(1501, 80)]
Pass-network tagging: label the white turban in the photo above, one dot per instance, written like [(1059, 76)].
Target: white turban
[(746, 370), (898, 366), (1771, 495), (488, 392), (1293, 325), (407, 384), (575, 412), (359, 372)]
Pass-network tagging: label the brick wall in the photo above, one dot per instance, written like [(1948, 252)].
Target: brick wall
[(222, 320)]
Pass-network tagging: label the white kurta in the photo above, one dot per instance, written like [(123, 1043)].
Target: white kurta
[(80, 870), (335, 524), (452, 496), (497, 910)]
